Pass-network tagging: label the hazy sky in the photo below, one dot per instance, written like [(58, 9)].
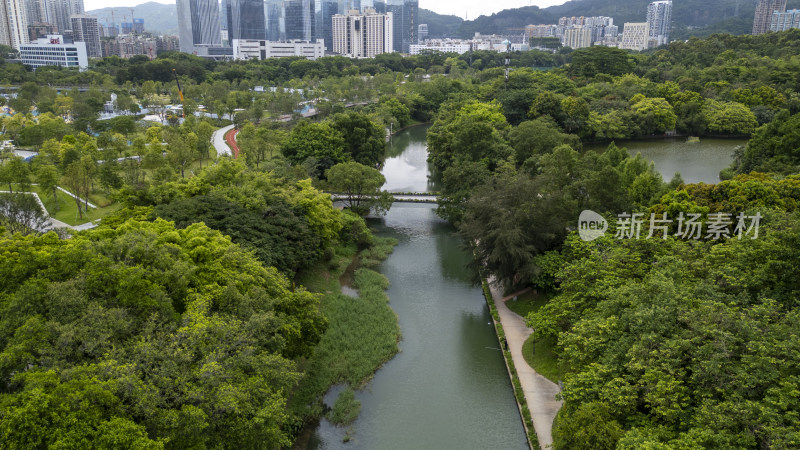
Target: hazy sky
[(462, 8)]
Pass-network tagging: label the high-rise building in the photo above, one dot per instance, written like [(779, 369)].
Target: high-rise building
[(659, 19), (36, 11), (405, 16), (422, 33), (325, 11), (635, 36), (13, 23), (86, 29), (577, 37), (298, 19), (363, 35), (764, 11), (274, 20), (40, 29), (246, 19), (198, 24), (782, 21), (60, 11)]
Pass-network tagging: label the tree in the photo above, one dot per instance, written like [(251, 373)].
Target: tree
[(364, 140), (729, 117), (21, 213), (315, 140), (360, 185), (181, 149), (588, 62), (47, 176), (15, 171)]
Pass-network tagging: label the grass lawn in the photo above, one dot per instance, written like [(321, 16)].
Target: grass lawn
[(68, 210), (543, 361), (527, 302)]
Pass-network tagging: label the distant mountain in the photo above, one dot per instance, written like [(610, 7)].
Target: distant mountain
[(689, 17), (158, 18), (440, 25)]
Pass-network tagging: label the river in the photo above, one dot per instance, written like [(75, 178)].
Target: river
[(448, 387)]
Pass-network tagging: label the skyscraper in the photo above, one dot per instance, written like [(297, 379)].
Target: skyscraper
[(326, 9), (274, 20), (764, 11), (246, 19), (86, 29), (659, 18), (13, 23), (404, 14), (36, 11), (298, 17), (198, 24)]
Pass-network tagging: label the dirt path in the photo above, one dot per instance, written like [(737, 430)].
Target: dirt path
[(540, 392)]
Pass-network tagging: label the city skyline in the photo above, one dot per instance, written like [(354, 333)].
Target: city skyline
[(470, 9)]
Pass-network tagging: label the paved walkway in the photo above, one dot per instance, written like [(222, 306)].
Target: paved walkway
[(540, 392), (218, 140)]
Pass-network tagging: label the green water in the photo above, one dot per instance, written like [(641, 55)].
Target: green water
[(448, 387), (695, 161)]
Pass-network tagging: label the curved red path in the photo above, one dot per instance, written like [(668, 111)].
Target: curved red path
[(230, 138)]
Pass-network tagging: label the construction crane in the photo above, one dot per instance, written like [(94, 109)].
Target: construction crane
[(180, 92)]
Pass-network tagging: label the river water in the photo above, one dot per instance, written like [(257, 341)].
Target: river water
[(448, 387)]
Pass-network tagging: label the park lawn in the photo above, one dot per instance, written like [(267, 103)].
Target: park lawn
[(68, 210), (543, 361), (527, 302)]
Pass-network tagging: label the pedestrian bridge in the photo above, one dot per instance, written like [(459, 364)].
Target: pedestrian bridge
[(400, 197)]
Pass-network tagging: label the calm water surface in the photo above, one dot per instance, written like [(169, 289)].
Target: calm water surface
[(696, 161), (448, 387)]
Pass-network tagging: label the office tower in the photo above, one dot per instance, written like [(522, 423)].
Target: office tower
[(362, 35), (13, 23), (326, 9), (86, 29), (380, 6), (274, 20), (764, 11), (298, 18), (782, 21), (223, 15), (659, 18), (404, 14), (422, 33), (246, 19), (198, 24)]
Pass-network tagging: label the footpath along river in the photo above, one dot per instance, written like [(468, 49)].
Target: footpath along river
[(448, 387)]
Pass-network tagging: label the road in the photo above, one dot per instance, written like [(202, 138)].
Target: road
[(540, 393), (218, 139)]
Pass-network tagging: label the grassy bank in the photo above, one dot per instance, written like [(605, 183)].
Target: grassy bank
[(542, 360), (67, 211), (362, 331)]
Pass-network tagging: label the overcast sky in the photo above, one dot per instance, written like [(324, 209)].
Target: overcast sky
[(462, 8)]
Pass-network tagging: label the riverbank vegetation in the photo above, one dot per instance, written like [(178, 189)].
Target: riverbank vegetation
[(182, 321), (659, 342)]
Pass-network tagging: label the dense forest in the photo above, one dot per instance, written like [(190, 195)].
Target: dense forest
[(203, 312)]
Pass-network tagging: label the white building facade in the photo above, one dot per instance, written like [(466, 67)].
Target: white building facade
[(262, 49), (635, 36), (51, 51), (363, 35), (13, 23)]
